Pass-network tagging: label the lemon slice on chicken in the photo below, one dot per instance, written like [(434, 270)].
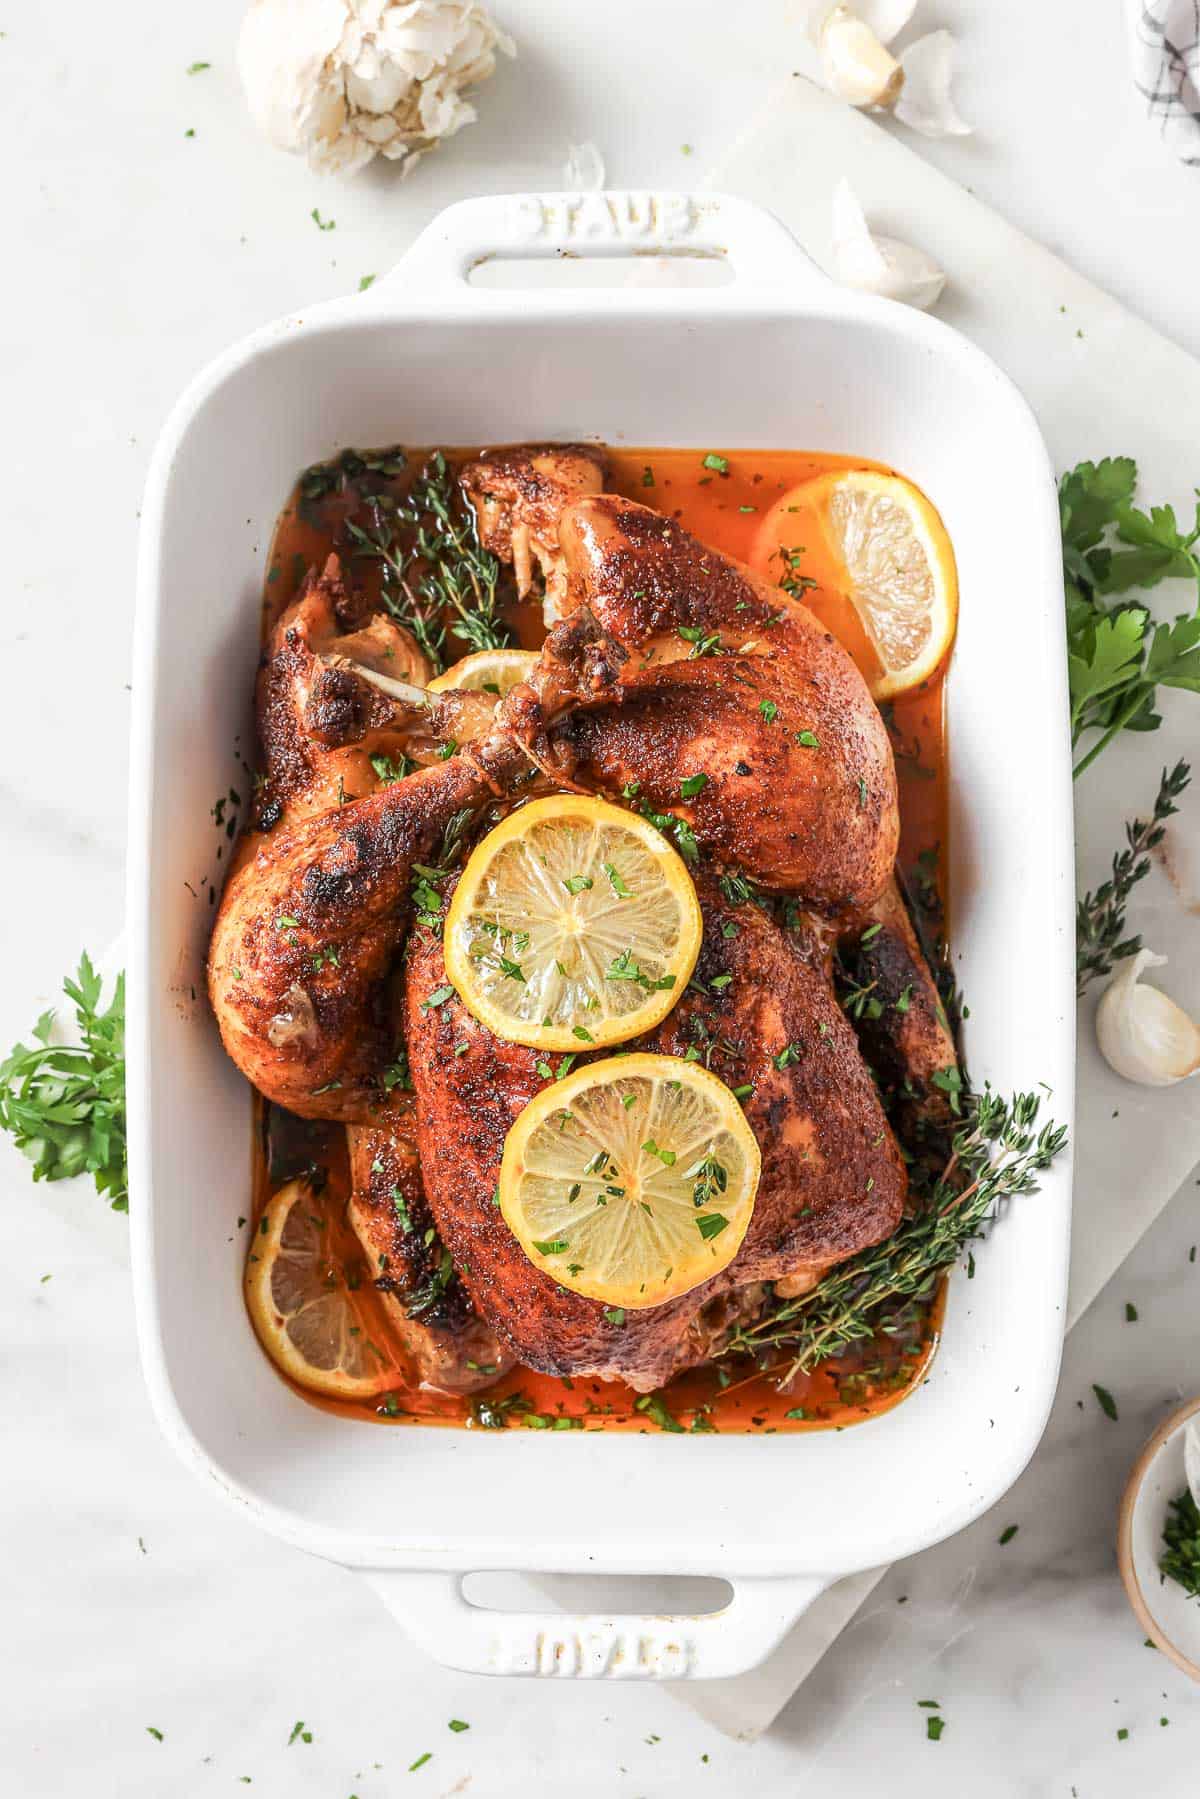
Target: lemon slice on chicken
[(486, 671), (574, 925), (304, 1314), (900, 567), (631, 1181)]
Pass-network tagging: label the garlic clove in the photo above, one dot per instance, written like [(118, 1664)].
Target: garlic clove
[(1191, 1457), (854, 63), (886, 18), (583, 171), (923, 101), (1142, 1033), (879, 265)]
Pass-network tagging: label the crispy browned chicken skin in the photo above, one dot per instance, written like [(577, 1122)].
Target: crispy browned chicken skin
[(833, 1179), (727, 676)]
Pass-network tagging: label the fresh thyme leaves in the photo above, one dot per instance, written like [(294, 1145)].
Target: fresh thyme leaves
[(407, 606), (1100, 915), (461, 576), (678, 828), (997, 1152), (65, 1104), (390, 771), (1119, 655), (1180, 1560), (704, 643)]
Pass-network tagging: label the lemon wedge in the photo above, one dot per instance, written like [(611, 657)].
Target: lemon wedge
[(486, 671), (900, 568), (574, 925), (303, 1313), (632, 1180)]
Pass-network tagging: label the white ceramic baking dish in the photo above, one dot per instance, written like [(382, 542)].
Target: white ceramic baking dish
[(778, 357)]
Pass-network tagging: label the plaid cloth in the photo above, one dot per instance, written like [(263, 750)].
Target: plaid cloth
[(1165, 36)]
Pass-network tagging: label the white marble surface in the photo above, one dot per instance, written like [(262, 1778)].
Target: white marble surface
[(133, 253)]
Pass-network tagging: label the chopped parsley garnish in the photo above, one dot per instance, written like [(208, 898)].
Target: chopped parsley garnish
[(553, 1246), (390, 771), (1107, 1403), (711, 1224), (653, 1405), (769, 710), (616, 881), (578, 883), (718, 464), (1180, 1560), (786, 1057), (704, 643), (808, 740), (1007, 1534), (513, 970), (584, 1036), (614, 1315), (320, 223), (692, 785), (438, 997), (665, 1156)]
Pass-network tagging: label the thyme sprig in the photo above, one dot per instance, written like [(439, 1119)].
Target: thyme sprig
[(460, 575), (1100, 915), (408, 607), (997, 1152)]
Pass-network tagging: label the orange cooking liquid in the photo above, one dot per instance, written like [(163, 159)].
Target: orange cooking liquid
[(745, 512)]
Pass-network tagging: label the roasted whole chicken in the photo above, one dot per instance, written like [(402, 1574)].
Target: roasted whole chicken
[(322, 966)]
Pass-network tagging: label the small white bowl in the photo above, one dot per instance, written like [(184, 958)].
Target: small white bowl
[(1170, 1617)]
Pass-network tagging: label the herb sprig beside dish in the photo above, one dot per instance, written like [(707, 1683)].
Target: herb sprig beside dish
[(1118, 655), (1100, 915), (65, 1103), (998, 1152)]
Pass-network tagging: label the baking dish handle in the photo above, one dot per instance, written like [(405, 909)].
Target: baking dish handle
[(435, 1612), (621, 224)]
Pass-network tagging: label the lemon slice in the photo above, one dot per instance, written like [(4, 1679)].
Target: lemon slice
[(900, 564), (305, 1316), (575, 924), (632, 1180), (487, 671)]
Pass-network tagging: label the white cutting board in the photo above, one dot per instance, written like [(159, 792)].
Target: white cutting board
[(1102, 383)]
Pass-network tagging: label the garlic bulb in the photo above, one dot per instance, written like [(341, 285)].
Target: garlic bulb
[(879, 265), (924, 103), (343, 81), (1142, 1034)]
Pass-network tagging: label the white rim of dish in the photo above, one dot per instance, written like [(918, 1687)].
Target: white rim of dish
[(1125, 1562)]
